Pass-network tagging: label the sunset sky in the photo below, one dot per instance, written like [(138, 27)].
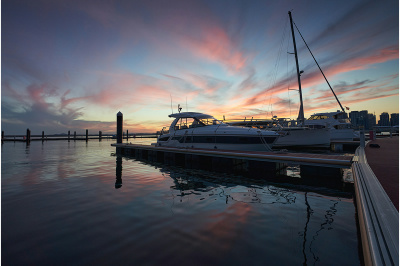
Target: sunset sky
[(72, 65)]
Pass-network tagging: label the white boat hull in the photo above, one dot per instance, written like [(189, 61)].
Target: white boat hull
[(342, 134), (304, 138)]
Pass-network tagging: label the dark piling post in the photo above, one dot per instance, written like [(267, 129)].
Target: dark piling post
[(127, 135), (28, 135), (87, 135), (100, 135), (69, 135), (2, 136), (119, 127), (74, 135), (42, 136)]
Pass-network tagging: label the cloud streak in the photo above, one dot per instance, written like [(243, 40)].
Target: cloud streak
[(90, 59)]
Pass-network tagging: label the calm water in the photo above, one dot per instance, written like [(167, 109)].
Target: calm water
[(78, 204)]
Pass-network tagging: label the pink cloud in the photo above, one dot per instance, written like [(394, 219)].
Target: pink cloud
[(65, 102), (214, 44), (315, 78)]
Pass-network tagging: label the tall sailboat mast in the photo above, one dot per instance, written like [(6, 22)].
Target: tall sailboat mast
[(301, 110)]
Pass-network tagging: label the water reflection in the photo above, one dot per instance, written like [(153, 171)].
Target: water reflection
[(118, 172), (326, 224), (27, 147), (62, 193), (205, 179), (244, 196)]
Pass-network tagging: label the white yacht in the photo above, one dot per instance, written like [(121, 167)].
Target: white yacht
[(197, 130), (338, 124)]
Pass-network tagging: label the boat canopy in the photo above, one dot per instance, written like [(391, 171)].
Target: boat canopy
[(191, 115)]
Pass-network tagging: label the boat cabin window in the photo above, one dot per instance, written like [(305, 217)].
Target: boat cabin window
[(318, 117), (184, 123), (189, 122), (209, 121), (315, 126), (345, 126)]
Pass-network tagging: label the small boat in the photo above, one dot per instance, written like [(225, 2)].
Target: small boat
[(338, 123), (198, 130)]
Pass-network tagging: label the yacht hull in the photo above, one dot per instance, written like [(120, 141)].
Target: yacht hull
[(304, 138), (342, 134), (222, 142)]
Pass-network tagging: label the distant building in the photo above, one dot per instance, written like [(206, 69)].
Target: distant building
[(394, 119), (371, 121), (384, 120), (361, 119)]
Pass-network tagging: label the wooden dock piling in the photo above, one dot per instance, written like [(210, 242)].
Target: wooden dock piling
[(119, 127), (87, 135), (100, 135), (74, 135), (42, 136), (28, 136), (2, 136), (69, 135)]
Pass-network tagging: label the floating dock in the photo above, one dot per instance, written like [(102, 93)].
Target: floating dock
[(256, 163), (324, 160)]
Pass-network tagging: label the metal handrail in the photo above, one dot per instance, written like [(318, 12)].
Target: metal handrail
[(378, 217)]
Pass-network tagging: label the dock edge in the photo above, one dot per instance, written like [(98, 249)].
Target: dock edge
[(378, 217)]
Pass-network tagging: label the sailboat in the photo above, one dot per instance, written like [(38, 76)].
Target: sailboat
[(337, 122), (293, 136)]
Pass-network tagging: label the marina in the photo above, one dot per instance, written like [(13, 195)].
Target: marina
[(377, 214), (294, 176)]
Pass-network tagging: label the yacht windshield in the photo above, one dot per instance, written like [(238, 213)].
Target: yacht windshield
[(318, 117), (209, 121), (189, 122)]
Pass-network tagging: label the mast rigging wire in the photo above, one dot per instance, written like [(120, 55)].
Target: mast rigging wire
[(319, 68), (276, 67)]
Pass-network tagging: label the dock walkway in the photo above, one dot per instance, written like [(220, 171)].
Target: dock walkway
[(384, 162)]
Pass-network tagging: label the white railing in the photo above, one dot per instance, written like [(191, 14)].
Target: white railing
[(378, 217)]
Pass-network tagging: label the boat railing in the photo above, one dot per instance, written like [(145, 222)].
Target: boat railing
[(164, 130)]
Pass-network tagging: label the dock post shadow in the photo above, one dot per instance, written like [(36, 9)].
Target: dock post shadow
[(118, 172)]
